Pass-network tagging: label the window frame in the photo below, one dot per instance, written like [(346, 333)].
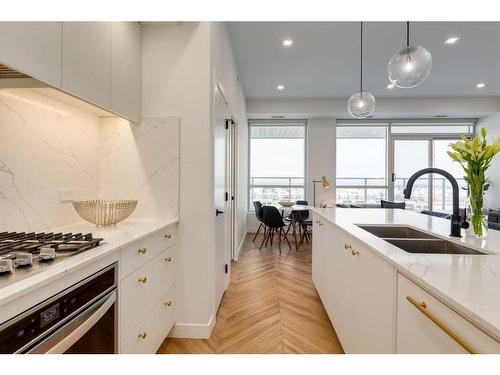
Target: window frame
[(275, 122), (390, 137)]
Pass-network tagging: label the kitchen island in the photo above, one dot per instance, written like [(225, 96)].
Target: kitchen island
[(381, 298)]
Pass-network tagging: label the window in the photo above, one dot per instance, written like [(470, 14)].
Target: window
[(361, 164), (277, 161), (375, 160)]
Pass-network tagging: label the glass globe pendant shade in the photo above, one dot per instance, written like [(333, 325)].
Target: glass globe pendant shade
[(361, 104), (410, 67)]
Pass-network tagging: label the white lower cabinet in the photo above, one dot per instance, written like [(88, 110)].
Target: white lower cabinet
[(375, 309), (425, 325), (148, 335), (356, 288), (339, 295), (147, 292), (374, 313)]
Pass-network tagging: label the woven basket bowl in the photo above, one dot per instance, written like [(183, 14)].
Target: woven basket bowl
[(105, 212)]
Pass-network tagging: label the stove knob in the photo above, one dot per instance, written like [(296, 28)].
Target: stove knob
[(23, 259), (47, 253), (5, 265)]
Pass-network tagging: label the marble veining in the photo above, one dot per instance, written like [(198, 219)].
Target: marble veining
[(47, 145), (141, 162), (470, 284)]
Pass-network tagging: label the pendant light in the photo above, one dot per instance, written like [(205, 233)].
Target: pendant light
[(410, 66), (361, 104)]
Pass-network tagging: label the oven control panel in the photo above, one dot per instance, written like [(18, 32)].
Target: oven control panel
[(30, 327)]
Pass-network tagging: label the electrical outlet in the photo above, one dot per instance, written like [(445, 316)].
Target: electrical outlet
[(66, 195)]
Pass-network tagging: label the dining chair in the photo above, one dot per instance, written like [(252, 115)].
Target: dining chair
[(273, 220), (259, 214), (387, 204), (305, 224)]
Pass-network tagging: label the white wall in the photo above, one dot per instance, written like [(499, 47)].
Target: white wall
[(181, 65), (492, 125), (176, 82), (225, 73), (321, 142), (401, 107)]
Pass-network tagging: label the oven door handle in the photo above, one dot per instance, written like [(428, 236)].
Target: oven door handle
[(66, 336)]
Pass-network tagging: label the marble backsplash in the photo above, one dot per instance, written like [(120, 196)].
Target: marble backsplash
[(141, 162), (47, 146)]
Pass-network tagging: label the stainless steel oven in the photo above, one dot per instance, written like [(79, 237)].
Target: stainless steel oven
[(80, 319)]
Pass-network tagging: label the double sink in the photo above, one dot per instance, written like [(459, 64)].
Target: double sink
[(415, 241)]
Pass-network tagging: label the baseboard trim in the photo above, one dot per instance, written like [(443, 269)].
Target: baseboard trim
[(237, 255), (193, 331)]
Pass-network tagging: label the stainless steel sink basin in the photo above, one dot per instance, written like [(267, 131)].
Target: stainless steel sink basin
[(415, 241), (394, 232), (431, 246)]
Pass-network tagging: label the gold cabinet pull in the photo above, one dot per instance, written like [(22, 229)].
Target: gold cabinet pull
[(168, 236), (354, 252), (143, 279), (168, 259), (142, 335), (347, 246), (168, 303), (142, 250), (422, 307)]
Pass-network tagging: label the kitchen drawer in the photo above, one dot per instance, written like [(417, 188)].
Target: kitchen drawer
[(147, 336), (141, 290), (418, 333), (139, 253)]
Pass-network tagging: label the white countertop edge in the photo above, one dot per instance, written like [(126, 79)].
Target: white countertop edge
[(352, 230), (75, 262)]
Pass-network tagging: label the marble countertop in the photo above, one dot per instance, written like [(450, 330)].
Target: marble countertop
[(114, 239), (470, 284)]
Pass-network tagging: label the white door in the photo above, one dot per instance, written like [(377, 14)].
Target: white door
[(221, 198)]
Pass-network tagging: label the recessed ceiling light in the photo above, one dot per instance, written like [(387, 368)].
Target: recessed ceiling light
[(480, 85), (288, 43), (390, 86), (280, 87), (452, 40)]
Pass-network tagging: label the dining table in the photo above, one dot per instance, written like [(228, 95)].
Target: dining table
[(293, 222)]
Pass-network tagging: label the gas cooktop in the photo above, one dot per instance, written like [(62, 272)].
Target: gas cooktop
[(23, 253)]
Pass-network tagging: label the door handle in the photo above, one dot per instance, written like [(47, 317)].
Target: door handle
[(393, 177), (218, 212)]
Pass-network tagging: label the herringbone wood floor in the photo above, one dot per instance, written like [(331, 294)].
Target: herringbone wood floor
[(271, 306)]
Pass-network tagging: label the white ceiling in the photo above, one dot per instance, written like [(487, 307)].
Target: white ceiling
[(324, 60)]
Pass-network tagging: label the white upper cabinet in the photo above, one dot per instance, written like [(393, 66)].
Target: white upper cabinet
[(33, 48), (126, 69), (86, 61)]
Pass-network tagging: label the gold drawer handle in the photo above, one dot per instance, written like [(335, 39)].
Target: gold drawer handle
[(143, 279), (168, 259), (168, 303), (347, 246), (422, 307), (354, 253), (168, 236), (142, 250), (142, 335)]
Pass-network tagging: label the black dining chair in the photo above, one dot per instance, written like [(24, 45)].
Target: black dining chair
[(305, 224), (387, 204), (259, 214), (273, 220)]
